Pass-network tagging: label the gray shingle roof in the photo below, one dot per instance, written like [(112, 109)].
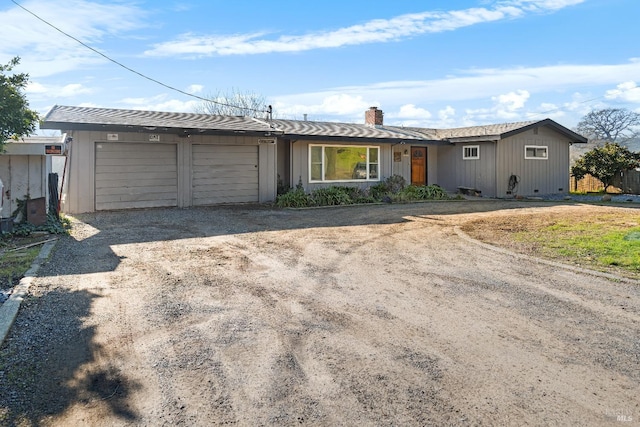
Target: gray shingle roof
[(88, 118), (106, 117)]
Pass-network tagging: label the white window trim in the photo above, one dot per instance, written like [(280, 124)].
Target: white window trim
[(546, 149), (368, 147), (464, 150)]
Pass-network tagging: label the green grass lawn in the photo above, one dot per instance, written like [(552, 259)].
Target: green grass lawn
[(603, 241)]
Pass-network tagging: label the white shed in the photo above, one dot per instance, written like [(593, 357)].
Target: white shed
[(24, 169)]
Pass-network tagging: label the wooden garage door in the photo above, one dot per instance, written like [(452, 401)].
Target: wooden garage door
[(224, 174), (135, 175)]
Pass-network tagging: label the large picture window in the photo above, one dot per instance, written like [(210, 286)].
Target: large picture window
[(343, 163)]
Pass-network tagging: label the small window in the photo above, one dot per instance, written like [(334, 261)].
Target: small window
[(471, 152), (535, 152)]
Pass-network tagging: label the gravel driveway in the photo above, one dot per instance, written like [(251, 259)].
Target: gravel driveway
[(368, 315)]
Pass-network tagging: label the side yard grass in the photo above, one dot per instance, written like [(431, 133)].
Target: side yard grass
[(19, 248), (14, 263), (607, 241)]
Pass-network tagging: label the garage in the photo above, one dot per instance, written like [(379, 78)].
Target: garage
[(224, 174), (129, 175)]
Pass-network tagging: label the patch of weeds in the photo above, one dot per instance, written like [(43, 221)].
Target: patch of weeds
[(14, 263), (54, 225)]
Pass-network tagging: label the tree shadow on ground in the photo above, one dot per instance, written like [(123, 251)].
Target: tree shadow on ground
[(94, 252), (46, 363)]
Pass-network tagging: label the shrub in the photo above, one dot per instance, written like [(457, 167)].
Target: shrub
[(331, 196), (293, 199), (396, 183), (54, 225), (393, 189), (423, 192)]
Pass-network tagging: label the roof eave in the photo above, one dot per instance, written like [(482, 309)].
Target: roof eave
[(573, 136), (483, 138), (363, 140), (180, 131)]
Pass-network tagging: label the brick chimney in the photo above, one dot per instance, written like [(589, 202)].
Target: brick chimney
[(373, 117)]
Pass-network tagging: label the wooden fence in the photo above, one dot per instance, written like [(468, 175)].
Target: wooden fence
[(628, 182)]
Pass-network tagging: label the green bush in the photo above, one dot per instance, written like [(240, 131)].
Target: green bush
[(393, 189), (54, 225), (293, 199), (423, 192), (331, 196)]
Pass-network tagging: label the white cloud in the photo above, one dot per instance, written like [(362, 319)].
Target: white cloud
[(375, 31), (56, 91), (447, 113), (332, 105), (410, 111), (159, 103), (506, 107), (45, 51), (512, 101), (627, 92), (195, 88), (480, 84)]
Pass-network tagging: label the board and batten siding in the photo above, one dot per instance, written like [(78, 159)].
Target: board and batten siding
[(224, 174), (135, 175), (80, 193), (550, 176), (480, 174)]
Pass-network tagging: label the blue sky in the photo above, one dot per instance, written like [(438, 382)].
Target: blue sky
[(433, 64)]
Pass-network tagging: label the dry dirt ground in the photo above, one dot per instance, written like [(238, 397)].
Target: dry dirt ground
[(374, 315)]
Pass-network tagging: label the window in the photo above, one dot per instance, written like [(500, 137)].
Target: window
[(535, 152), (470, 152), (343, 163)]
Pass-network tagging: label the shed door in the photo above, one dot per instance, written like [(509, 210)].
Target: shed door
[(135, 175), (224, 174)]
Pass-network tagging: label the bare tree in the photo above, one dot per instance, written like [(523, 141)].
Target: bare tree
[(234, 103), (610, 125)]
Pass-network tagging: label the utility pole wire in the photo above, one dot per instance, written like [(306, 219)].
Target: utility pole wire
[(128, 68)]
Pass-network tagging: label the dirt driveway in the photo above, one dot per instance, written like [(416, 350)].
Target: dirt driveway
[(376, 315)]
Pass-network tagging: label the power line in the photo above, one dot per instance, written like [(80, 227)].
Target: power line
[(131, 69)]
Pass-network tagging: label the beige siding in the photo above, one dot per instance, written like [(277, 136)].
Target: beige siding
[(135, 175), (548, 176), (224, 174)]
